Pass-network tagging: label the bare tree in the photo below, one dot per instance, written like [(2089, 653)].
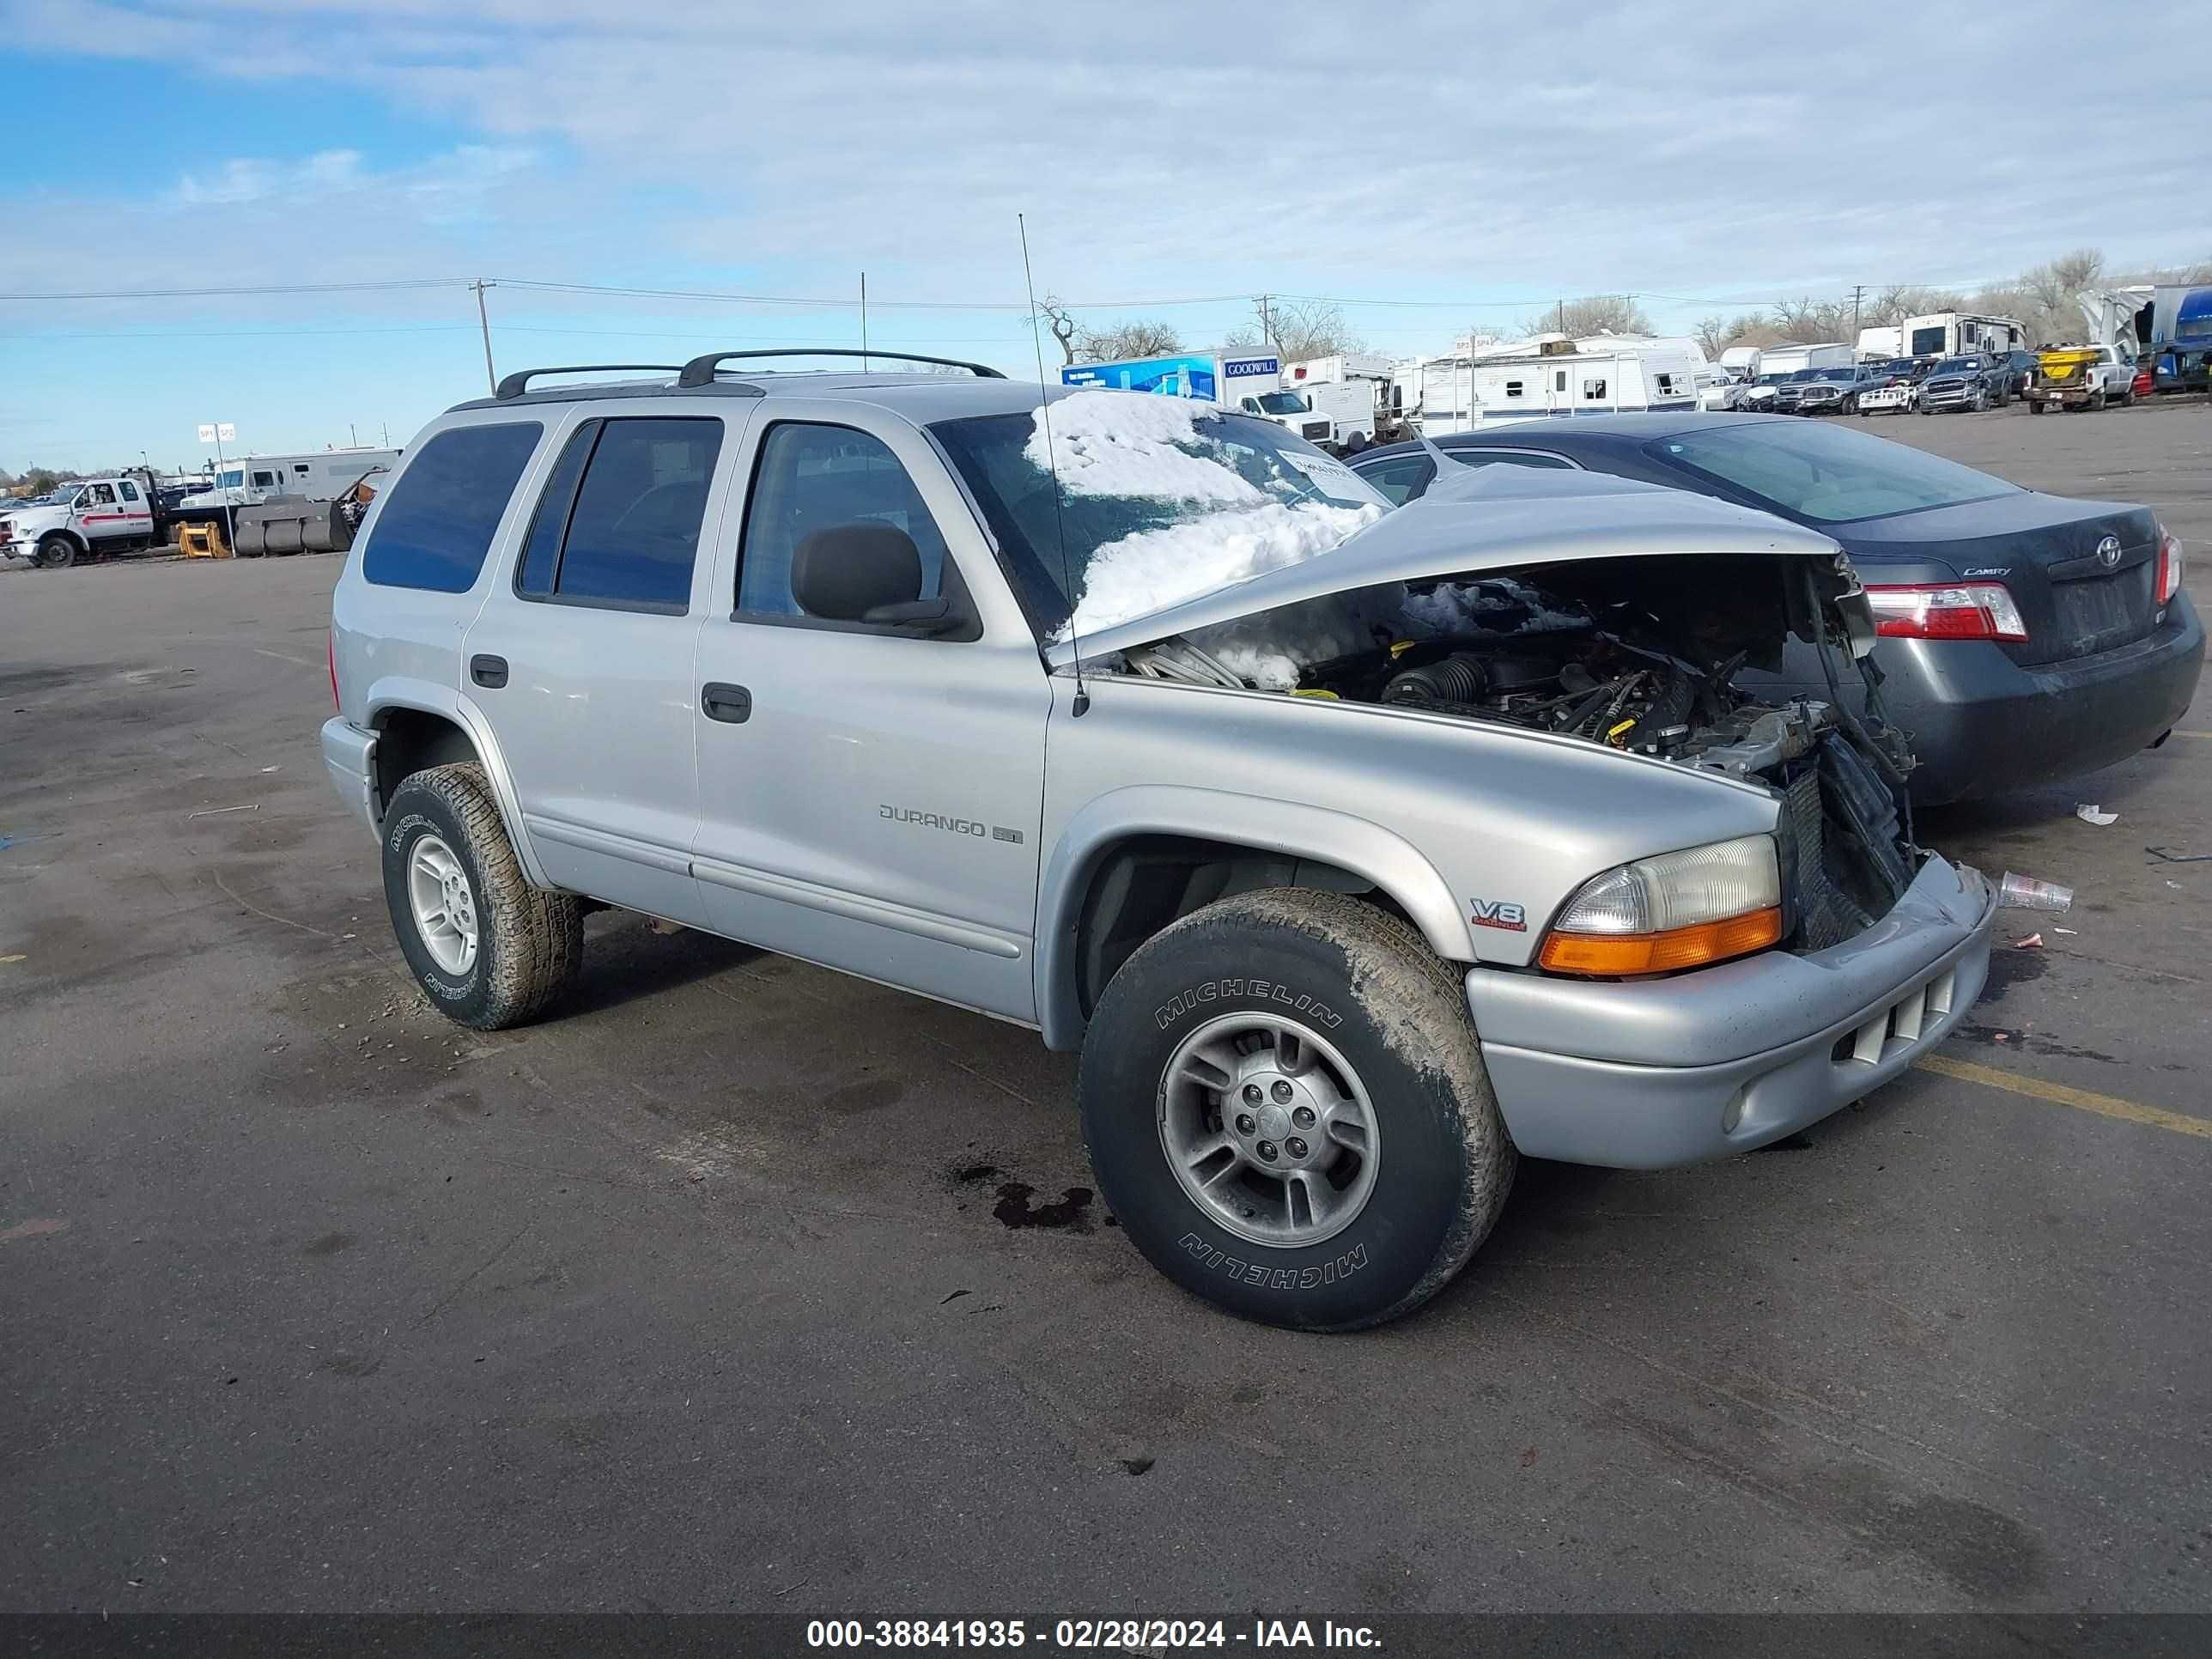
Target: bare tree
[(1141, 336), (1595, 314), (1052, 314), (1746, 328), (1297, 329), (1811, 322)]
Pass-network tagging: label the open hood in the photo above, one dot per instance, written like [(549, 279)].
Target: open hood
[(1475, 520)]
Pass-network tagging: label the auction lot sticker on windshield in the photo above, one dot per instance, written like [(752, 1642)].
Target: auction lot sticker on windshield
[(1324, 471)]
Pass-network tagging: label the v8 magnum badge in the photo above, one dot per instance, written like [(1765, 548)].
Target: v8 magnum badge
[(1496, 913)]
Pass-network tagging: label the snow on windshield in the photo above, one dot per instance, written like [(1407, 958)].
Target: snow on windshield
[(1240, 501)]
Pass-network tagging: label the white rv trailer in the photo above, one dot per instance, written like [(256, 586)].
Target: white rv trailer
[(320, 475), (1959, 333), (1553, 377)]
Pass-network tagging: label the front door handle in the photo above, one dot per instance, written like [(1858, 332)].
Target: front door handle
[(731, 703), (488, 672)]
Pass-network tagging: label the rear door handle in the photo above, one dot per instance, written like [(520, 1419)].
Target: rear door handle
[(488, 672), (731, 703)]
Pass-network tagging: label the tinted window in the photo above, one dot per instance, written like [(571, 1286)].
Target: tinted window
[(1826, 474), (1506, 458), (130, 490), (540, 548), (634, 532), (814, 477), (263, 480), (437, 524), (1399, 480)]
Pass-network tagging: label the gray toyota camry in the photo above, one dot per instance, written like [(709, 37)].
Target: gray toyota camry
[(2026, 638)]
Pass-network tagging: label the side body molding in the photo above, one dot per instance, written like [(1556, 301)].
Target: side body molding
[(1291, 827)]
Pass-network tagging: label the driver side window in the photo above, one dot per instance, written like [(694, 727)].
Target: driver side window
[(619, 522), (812, 479)]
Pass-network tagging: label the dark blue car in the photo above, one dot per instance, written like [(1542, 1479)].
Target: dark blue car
[(2026, 637)]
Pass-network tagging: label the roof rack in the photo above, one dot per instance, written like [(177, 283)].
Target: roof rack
[(699, 371), (513, 386)]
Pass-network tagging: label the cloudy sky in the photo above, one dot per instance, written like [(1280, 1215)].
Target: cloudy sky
[(1440, 165)]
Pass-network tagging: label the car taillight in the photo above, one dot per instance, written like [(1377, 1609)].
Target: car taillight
[(2169, 565), (1942, 611), (336, 706)]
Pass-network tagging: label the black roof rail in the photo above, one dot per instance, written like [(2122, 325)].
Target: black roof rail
[(699, 371), (513, 386)]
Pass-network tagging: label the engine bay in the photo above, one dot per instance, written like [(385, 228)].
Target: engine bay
[(1625, 655)]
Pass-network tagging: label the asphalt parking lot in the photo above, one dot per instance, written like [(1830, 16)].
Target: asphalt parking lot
[(736, 1284)]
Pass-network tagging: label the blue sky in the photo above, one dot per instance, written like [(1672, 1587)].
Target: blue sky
[(1474, 162)]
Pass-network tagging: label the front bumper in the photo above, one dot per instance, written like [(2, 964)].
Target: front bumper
[(349, 758), (1646, 1074), (1956, 396)]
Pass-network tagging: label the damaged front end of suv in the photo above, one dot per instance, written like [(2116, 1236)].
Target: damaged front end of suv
[(1633, 652)]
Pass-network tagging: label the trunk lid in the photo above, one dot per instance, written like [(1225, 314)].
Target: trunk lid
[(2076, 600), (1496, 518)]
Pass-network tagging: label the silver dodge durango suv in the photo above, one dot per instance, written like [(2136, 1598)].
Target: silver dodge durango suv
[(1359, 852)]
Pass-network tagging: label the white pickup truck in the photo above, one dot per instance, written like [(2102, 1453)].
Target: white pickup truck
[(91, 517)]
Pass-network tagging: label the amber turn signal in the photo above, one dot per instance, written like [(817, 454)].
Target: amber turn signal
[(1621, 954)]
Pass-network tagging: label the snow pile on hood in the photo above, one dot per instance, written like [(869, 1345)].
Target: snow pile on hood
[(1121, 443), (1150, 571)]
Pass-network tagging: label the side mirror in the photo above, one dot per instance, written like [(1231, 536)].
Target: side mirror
[(866, 572)]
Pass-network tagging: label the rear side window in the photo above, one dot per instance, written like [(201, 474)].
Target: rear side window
[(618, 524), (439, 518), (130, 490), (1401, 480)]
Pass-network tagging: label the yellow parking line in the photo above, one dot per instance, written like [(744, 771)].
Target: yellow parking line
[(2179, 733), (2081, 1100)]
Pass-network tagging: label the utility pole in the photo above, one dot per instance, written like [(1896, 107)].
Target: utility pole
[(1267, 324), (1561, 324), (1857, 290), (864, 322), (483, 321)]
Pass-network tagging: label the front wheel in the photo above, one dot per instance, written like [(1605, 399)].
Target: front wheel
[(1287, 1112), (490, 948), (56, 552)]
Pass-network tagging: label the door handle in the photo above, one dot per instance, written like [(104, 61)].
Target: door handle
[(488, 671), (731, 703)]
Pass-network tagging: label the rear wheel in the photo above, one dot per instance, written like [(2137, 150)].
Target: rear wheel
[(2097, 399), (490, 948), (1286, 1111)]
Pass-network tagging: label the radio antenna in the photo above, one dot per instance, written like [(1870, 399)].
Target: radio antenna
[(1082, 703)]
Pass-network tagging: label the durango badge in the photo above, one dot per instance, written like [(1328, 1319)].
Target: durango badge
[(1492, 912)]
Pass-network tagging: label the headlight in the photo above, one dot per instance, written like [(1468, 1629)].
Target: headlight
[(1681, 909)]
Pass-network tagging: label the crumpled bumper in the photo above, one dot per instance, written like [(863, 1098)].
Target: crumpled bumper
[(1645, 1074)]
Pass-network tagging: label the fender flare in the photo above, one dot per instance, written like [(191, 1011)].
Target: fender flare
[(428, 697), (1292, 828)]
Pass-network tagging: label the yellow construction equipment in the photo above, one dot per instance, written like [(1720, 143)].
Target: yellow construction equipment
[(202, 541)]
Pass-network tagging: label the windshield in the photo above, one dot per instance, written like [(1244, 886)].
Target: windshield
[(1160, 499), (230, 480), (1805, 375), (1958, 365), (1282, 403), (1776, 378), (1823, 474)]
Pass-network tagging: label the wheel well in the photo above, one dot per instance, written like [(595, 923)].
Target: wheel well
[(408, 741), (1146, 883)]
